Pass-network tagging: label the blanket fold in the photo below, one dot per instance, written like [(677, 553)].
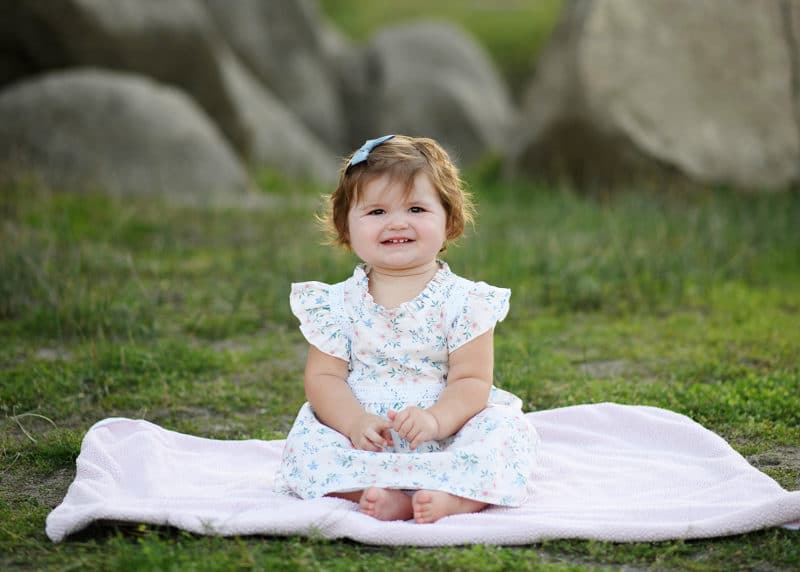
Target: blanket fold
[(605, 471)]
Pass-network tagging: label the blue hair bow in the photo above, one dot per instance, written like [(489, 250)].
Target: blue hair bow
[(361, 155)]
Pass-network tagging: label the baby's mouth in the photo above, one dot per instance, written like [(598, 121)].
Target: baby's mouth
[(392, 241)]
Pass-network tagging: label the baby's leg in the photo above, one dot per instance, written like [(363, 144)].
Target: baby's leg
[(354, 496), (383, 504), (430, 506)]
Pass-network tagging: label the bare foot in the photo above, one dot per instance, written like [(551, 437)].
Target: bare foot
[(386, 504), (430, 506)]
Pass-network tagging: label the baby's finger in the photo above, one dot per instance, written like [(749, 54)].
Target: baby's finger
[(399, 419), (412, 429), (365, 445), (414, 438), (405, 427), (375, 438)]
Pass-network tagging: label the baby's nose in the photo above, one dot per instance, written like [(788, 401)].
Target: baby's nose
[(398, 220)]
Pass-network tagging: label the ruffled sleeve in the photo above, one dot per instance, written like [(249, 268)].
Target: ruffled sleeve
[(321, 317), (476, 313)]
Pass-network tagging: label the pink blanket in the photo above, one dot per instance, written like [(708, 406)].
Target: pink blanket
[(605, 471)]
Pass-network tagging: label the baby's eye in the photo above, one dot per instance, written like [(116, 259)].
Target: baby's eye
[(376, 212), (417, 209)]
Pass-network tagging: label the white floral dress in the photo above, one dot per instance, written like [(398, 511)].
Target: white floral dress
[(399, 358)]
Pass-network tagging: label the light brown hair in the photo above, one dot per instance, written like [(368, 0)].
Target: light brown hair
[(402, 158)]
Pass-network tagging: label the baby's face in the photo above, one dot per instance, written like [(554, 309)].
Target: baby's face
[(392, 230)]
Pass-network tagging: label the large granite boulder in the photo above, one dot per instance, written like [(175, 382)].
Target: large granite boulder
[(174, 42), (428, 79), (87, 129), (282, 44), (702, 90), (280, 140)]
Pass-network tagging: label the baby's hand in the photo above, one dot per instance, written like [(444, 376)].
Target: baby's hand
[(370, 432), (415, 424)]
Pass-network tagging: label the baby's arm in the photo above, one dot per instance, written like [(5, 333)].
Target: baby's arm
[(336, 406), (468, 384)]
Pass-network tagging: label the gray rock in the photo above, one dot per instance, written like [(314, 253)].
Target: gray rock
[(428, 79), (791, 21), (334, 44), (280, 140), (627, 89), (282, 44), (88, 129), (174, 42)]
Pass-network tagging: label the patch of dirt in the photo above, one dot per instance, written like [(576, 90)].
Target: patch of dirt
[(48, 490), (604, 369), (53, 354), (783, 459)]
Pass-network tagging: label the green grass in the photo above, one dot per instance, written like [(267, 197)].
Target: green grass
[(179, 314), (512, 31)]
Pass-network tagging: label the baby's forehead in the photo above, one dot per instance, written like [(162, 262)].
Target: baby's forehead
[(385, 187)]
